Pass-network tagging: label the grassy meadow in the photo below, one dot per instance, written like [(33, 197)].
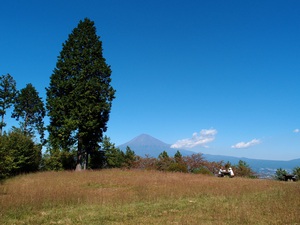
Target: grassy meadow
[(146, 197)]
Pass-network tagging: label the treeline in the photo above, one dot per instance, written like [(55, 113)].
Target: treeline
[(19, 154), (110, 156)]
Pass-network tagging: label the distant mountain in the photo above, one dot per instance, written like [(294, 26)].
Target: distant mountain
[(258, 165), (145, 144)]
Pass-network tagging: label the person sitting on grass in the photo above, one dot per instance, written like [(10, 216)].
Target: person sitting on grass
[(231, 172), (221, 171)]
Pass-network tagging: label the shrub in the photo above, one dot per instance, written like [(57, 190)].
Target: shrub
[(296, 172), (280, 173), (18, 154), (242, 169), (202, 170)]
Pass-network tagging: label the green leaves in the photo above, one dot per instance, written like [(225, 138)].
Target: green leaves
[(79, 96), (280, 173), (30, 108), (7, 95), (18, 154)]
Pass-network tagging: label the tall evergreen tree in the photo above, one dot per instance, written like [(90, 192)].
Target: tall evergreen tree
[(30, 107), (79, 97), (7, 94)]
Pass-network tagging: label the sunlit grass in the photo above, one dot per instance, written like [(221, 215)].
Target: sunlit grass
[(146, 197)]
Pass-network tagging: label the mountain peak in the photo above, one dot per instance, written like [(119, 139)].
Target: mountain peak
[(145, 144), (145, 140)]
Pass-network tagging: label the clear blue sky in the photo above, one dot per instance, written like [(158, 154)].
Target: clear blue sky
[(217, 77)]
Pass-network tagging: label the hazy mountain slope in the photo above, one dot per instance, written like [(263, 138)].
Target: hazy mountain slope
[(145, 144)]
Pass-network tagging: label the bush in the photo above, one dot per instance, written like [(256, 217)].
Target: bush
[(18, 154), (202, 170), (280, 174), (58, 160), (147, 163), (243, 170), (296, 172), (177, 167)]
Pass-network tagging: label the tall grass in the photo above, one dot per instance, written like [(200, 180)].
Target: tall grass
[(146, 197)]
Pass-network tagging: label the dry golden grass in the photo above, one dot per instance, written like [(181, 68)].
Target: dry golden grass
[(146, 197)]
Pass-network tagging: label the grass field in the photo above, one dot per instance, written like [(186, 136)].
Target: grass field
[(146, 197)]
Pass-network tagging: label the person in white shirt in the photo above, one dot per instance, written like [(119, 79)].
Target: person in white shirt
[(231, 172), (221, 171)]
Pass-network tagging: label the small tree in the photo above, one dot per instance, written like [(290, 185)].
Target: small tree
[(7, 95), (178, 157), (114, 157), (280, 174), (147, 163), (178, 164), (30, 107), (194, 162), (55, 159), (242, 169), (296, 172), (163, 161), (129, 158), (213, 167)]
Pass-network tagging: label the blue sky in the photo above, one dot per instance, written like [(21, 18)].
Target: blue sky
[(217, 77)]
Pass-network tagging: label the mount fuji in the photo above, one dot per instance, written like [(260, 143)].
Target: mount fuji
[(146, 145)]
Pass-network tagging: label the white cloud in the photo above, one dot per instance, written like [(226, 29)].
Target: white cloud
[(246, 144), (296, 130), (205, 136)]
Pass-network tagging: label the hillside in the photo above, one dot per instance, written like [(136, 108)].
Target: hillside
[(128, 197)]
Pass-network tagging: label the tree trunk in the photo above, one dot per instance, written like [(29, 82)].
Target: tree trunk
[(2, 122), (79, 155)]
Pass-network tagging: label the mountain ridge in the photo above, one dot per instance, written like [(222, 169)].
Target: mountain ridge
[(146, 145)]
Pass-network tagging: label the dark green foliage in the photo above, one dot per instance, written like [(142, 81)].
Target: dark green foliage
[(129, 158), (55, 159), (202, 170), (6, 159), (30, 108), (164, 161), (177, 167), (296, 172), (18, 154), (178, 164), (97, 159), (280, 173), (79, 96), (242, 169), (114, 156), (178, 157), (7, 95)]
